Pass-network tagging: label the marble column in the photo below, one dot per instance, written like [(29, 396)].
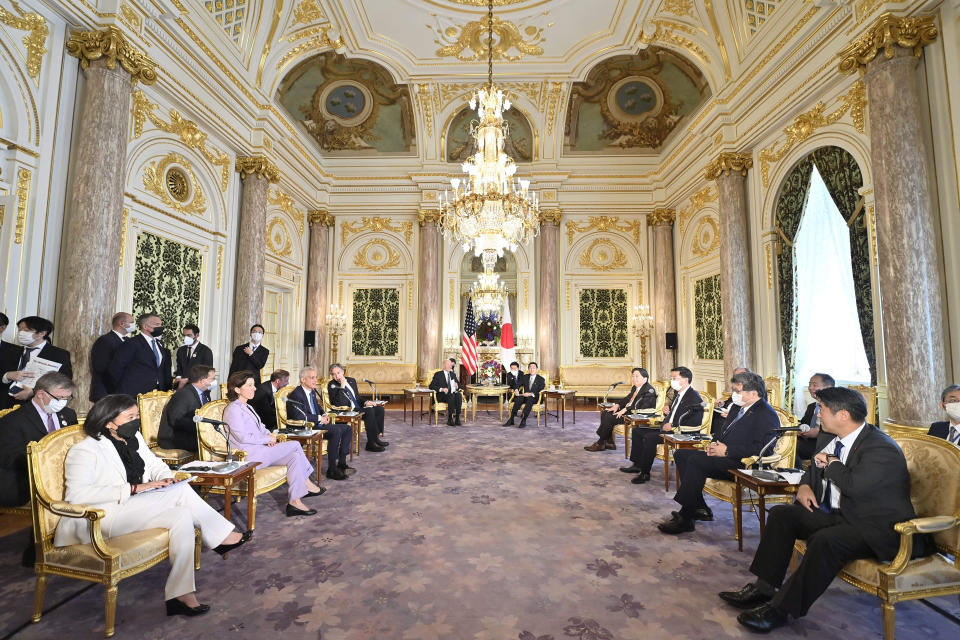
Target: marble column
[(664, 298), (911, 276), (316, 300), (730, 172), (89, 273), (548, 331), (428, 345), (256, 173)]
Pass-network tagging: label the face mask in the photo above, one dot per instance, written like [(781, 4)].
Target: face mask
[(128, 430), (213, 384), (675, 384), (130, 328), (25, 337), (187, 341), (953, 410), (157, 332), (256, 337), (55, 405), (737, 398)]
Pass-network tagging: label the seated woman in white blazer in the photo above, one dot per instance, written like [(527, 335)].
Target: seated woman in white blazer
[(113, 469)]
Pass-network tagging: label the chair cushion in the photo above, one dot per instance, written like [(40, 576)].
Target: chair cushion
[(722, 489), (921, 573), (270, 477), (134, 549), (178, 456)]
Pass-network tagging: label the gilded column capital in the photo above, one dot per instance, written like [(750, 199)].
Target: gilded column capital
[(727, 162), (259, 165), (661, 216), (550, 216), (887, 33), (428, 216), (320, 216), (111, 44)]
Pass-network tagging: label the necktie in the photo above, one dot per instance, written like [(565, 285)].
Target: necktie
[(825, 503), (51, 423), (353, 398), (205, 397), (156, 351), (310, 401), (955, 436), (25, 358)]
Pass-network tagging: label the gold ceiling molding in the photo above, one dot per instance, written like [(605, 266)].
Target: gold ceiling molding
[(661, 216), (425, 94), (728, 162), (681, 8), (888, 32), (321, 217), (286, 204), (718, 38), (308, 12), (377, 225), (428, 216), (553, 105), (157, 180), (188, 131), (376, 255), (603, 223), (131, 17), (668, 32), (483, 3), (277, 239), (697, 202), (706, 238), (602, 255), (24, 177), (550, 216), (35, 41), (114, 46), (533, 91), (805, 124), (259, 165), (317, 43), (472, 37)]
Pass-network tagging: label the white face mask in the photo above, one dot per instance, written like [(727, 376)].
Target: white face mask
[(25, 337), (256, 337), (55, 405), (737, 398), (187, 341), (953, 410), (212, 385), (130, 328), (675, 384)]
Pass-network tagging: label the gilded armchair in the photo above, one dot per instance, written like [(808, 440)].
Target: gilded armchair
[(438, 407), (151, 407), (355, 421)]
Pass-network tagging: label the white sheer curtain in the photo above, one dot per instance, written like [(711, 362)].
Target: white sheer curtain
[(828, 331)]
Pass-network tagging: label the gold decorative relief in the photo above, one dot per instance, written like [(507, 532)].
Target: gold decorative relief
[(277, 238), (805, 124), (469, 42), (706, 237), (35, 41), (376, 255), (424, 97), (377, 225), (660, 217), (219, 265), (672, 33), (603, 223), (123, 233), (131, 17), (550, 216), (112, 45), (173, 181), (428, 216), (308, 12), (602, 255), (729, 162), (321, 42), (321, 217), (24, 177), (187, 130), (259, 166), (682, 8), (553, 105), (888, 32), (287, 205), (697, 202)]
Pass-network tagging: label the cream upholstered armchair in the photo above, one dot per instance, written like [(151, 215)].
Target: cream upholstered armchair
[(355, 421), (934, 466), (104, 561), (656, 418), (438, 407), (283, 422), (151, 407), (704, 427)]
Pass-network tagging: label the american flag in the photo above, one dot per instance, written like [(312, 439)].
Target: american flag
[(470, 359)]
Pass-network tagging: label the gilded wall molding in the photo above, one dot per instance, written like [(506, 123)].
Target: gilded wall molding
[(553, 105), (728, 162), (35, 41), (376, 224), (887, 33), (805, 124), (316, 44), (376, 255), (277, 239), (308, 12), (603, 223), (602, 255), (123, 233), (428, 216), (672, 33), (286, 204), (187, 130), (661, 216), (321, 217), (551, 216), (699, 200), (155, 180), (24, 177), (257, 165), (706, 238), (680, 8), (472, 37), (111, 44), (219, 265)]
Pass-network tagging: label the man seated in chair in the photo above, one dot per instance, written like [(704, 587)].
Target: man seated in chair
[(848, 502), (744, 434), (511, 378), (447, 388), (304, 403), (263, 402), (721, 409), (526, 395), (948, 429), (807, 440), (177, 429), (642, 395), (344, 393)]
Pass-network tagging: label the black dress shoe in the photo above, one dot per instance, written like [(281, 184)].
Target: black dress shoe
[(450, 422), (383, 443), (763, 619), (293, 511), (178, 608), (373, 446), (747, 598), (631, 469), (522, 425), (457, 421), (704, 514), (640, 479), (314, 494), (346, 469), (509, 423), (336, 474), (677, 525), (224, 549)]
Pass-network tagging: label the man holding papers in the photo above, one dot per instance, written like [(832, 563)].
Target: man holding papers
[(19, 374)]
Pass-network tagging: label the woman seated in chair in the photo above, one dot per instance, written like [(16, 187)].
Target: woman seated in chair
[(113, 469), (247, 432), (642, 396)]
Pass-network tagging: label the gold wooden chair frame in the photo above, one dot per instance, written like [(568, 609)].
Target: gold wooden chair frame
[(622, 431), (283, 422), (870, 395), (151, 407), (774, 391), (355, 422), (437, 407), (104, 561)]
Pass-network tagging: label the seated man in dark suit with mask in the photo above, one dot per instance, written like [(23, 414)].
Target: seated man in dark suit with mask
[(447, 387), (263, 402), (807, 441), (344, 393), (526, 395), (511, 377), (177, 428), (948, 429)]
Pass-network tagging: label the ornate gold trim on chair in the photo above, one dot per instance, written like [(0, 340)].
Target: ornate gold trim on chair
[(541, 404), (280, 408), (704, 427), (355, 422), (774, 391), (437, 407), (151, 407), (870, 395)]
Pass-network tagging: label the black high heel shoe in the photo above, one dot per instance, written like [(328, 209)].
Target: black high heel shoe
[(224, 549), (177, 607)]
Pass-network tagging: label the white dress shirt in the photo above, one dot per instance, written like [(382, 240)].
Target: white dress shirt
[(676, 403), (847, 443), (953, 435)]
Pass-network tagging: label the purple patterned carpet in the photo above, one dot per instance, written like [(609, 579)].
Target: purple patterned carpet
[(477, 533)]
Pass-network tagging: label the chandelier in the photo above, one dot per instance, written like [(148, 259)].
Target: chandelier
[(490, 211), (488, 294)]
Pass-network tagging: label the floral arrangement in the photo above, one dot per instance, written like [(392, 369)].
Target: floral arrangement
[(488, 331), (490, 370)]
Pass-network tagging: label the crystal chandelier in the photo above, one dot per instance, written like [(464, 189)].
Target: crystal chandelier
[(490, 211), (488, 294)]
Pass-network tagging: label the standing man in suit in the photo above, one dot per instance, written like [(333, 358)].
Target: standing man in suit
[(250, 356), (511, 378), (102, 352), (344, 393), (948, 429), (807, 441), (305, 401), (190, 354), (33, 336), (263, 402), (447, 387), (744, 434), (849, 500), (526, 395), (142, 364), (177, 428), (4, 321), (642, 395)]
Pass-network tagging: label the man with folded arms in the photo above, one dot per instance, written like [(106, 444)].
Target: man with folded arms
[(849, 500)]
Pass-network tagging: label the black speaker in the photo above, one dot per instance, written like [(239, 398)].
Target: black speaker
[(309, 338), (671, 340)]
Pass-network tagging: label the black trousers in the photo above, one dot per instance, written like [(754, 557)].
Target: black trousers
[(454, 402), (373, 422), (695, 466), (643, 446), (525, 403), (607, 422), (832, 542), (340, 437)]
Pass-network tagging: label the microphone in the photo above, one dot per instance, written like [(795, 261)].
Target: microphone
[(372, 386), (606, 402), (616, 384), (216, 427), (802, 428), (299, 407), (702, 405), (199, 419)]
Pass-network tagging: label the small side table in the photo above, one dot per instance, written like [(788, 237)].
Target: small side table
[(743, 479), (227, 483), (673, 441), (478, 391), (629, 422), (561, 395), (312, 443), (413, 394)]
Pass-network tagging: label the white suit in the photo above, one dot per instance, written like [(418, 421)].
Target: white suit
[(95, 476)]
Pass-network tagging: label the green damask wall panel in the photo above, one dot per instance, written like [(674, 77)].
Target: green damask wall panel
[(604, 332), (376, 322), (166, 280), (708, 316)]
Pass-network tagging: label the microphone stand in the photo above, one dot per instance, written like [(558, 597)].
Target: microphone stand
[(374, 387), (226, 436), (607, 404), (296, 404), (760, 473)]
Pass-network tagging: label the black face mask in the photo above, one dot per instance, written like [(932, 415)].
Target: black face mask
[(157, 332), (128, 430)]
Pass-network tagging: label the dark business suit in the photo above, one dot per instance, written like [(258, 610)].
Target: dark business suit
[(807, 446), (252, 363), (177, 428), (644, 440), (372, 416), (340, 436), (646, 398), (745, 433), (511, 380), (940, 430), (101, 355), (11, 359), (201, 355), (134, 367), (263, 404), (874, 487), (527, 385), (17, 429), (454, 400)]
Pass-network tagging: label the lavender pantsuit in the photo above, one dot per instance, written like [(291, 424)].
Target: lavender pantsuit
[(249, 434)]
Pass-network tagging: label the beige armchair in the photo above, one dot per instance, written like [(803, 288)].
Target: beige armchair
[(622, 430), (870, 395), (151, 407), (104, 561)]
